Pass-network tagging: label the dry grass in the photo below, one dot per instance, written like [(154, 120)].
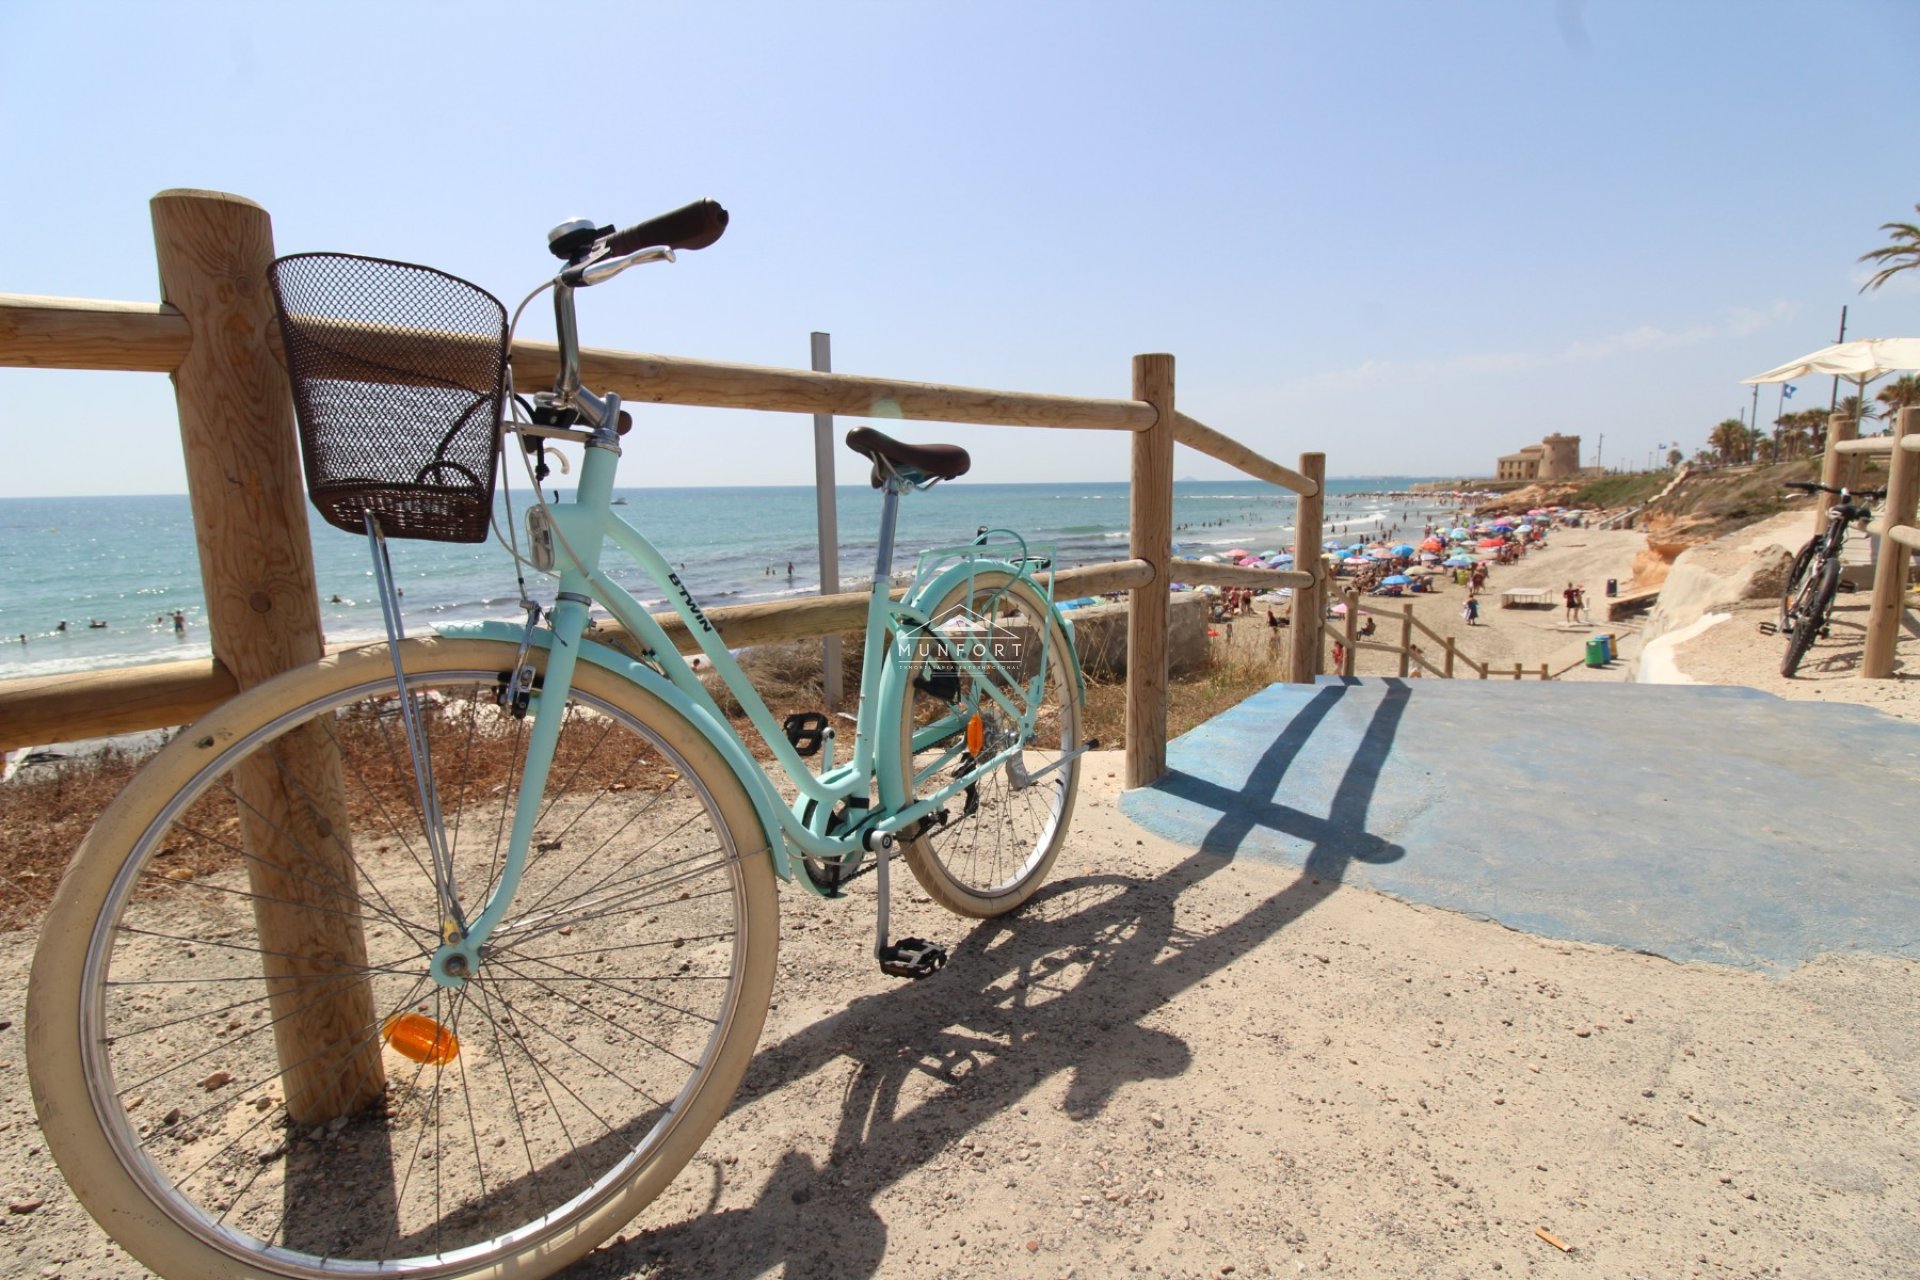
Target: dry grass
[(1192, 699), (46, 810)]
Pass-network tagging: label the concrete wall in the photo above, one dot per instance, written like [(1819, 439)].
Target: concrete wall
[(1100, 634)]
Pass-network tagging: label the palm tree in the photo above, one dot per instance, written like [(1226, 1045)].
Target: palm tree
[(1858, 409), (1817, 426), (1897, 395), (1675, 457), (1729, 439), (1903, 254)]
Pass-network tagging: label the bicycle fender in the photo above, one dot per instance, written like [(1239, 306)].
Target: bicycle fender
[(895, 679), (949, 578), (660, 687)]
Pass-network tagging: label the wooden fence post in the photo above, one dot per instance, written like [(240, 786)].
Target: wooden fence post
[(1449, 658), (1309, 603), (1406, 639), (1835, 467), (1351, 631), (1150, 511), (1890, 573), (263, 615)]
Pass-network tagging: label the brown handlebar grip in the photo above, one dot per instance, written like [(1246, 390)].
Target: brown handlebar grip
[(692, 226)]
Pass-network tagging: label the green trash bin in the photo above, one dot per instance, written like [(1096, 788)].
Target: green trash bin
[(1597, 652)]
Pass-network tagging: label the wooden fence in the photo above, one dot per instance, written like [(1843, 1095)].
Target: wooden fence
[(213, 333), (1411, 655), (1898, 528)]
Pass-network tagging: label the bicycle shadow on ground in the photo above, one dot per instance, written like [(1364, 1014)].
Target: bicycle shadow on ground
[(1065, 985)]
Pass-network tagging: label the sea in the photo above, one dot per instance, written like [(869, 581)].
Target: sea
[(130, 562)]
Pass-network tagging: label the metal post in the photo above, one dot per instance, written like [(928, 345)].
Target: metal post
[(829, 522)]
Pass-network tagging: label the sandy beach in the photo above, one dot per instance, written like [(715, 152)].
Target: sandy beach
[(1500, 637)]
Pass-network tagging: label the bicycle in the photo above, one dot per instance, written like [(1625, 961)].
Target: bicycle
[(1806, 602), (442, 957)]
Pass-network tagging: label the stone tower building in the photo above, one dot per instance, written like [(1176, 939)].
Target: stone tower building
[(1560, 457)]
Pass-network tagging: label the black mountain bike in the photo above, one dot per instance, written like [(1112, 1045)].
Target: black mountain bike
[(1806, 604)]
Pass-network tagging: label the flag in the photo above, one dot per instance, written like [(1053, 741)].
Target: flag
[(1786, 391)]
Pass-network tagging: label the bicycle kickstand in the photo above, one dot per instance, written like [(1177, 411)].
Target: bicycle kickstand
[(909, 957)]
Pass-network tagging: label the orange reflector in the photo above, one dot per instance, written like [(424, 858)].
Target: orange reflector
[(416, 1036), (976, 734)]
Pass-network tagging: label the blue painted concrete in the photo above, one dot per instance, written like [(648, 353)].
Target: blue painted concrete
[(1693, 822)]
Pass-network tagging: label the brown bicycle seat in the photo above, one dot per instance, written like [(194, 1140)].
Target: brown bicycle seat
[(934, 461)]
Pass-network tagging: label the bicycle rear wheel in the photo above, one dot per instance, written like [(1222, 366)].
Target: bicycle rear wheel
[(500, 1128), (1809, 613), (1002, 834)]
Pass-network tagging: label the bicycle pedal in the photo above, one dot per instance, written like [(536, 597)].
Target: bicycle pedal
[(912, 958), (805, 730), (1769, 628), (1846, 586)]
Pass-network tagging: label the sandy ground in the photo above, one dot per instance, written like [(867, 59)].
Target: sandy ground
[(1191, 1066), (1182, 1065)]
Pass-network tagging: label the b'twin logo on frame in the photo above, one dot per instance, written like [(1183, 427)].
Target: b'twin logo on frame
[(964, 637)]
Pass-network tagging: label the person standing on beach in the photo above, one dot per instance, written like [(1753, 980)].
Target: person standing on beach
[(1472, 611), (179, 623), (1572, 597)]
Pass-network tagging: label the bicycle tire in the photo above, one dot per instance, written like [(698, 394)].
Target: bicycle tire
[(991, 857), (1797, 576), (588, 1056), (1809, 615)]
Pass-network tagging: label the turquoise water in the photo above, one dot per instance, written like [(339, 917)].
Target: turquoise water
[(131, 562)]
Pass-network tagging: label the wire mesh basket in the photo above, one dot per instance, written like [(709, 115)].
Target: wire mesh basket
[(399, 373)]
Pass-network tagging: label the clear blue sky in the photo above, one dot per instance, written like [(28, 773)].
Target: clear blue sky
[(1413, 235)]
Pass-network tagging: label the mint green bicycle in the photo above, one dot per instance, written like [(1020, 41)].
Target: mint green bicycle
[(442, 957)]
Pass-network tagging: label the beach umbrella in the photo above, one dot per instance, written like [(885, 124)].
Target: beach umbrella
[(1493, 542), (1861, 360), (1430, 557), (1356, 560), (1237, 552), (1339, 610), (1404, 549), (1456, 533), (1396, 580), (1209, 559), (1459, 562)]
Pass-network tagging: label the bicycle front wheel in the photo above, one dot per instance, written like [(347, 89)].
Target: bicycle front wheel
[(1002, 833), (1809, 613), (240, 1058)]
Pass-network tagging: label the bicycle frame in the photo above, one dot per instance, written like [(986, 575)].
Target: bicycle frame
[(583, 529)]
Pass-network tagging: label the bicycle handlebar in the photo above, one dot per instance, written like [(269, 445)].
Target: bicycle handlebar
[(1813, 486)]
